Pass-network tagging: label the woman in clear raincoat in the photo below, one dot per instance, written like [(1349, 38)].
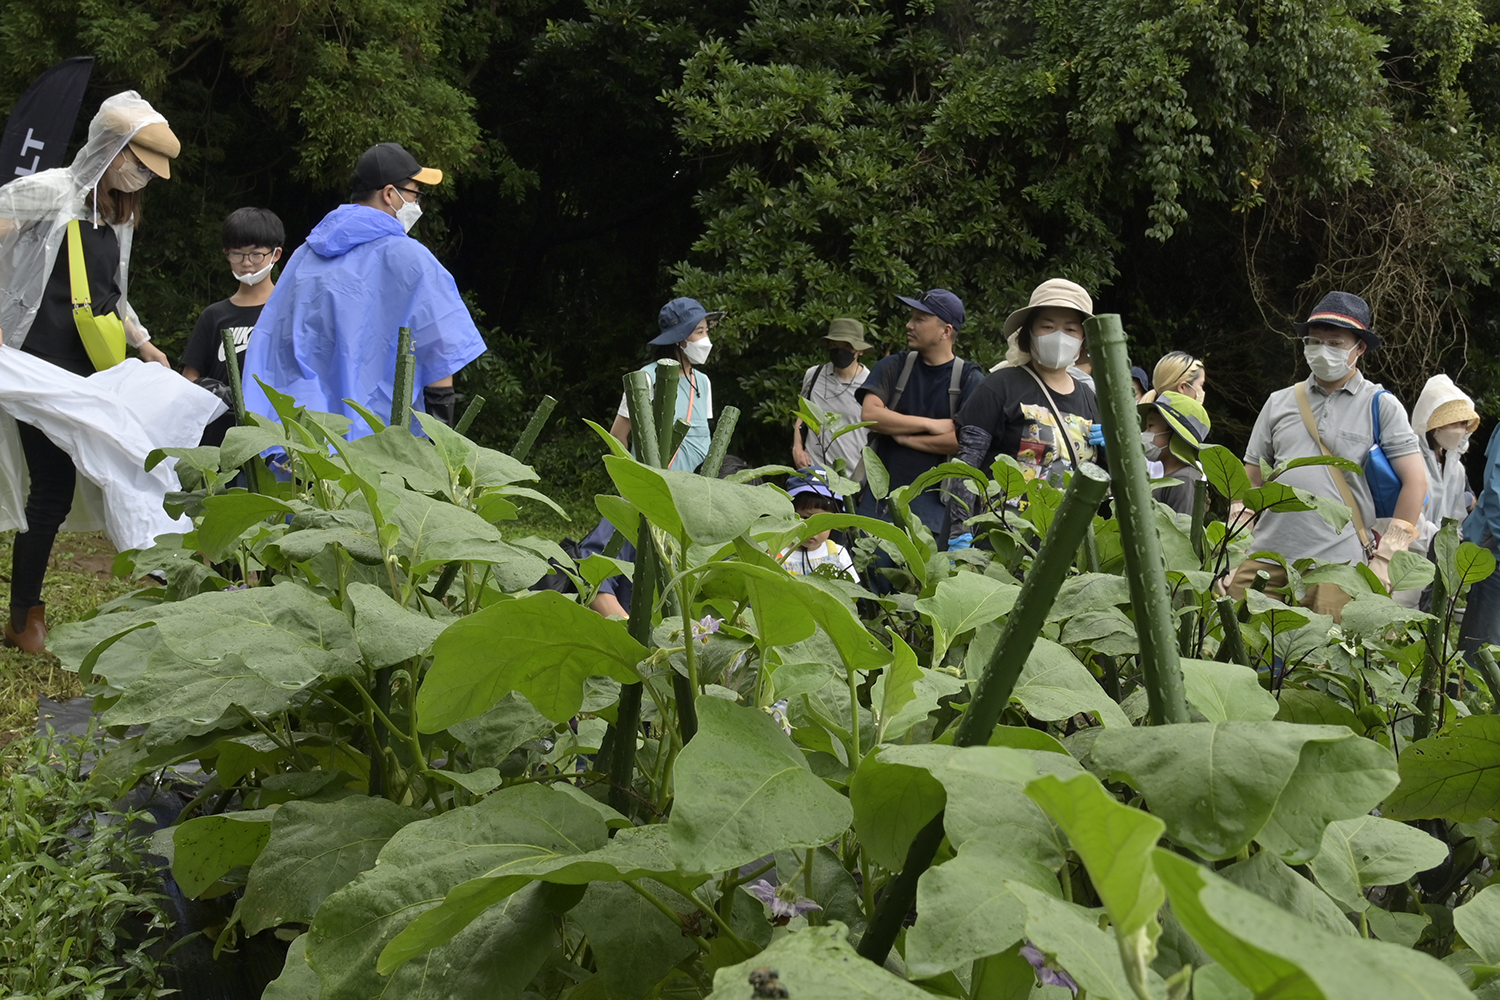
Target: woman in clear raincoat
[(54, 409)]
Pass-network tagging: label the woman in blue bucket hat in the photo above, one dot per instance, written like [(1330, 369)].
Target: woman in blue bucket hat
[(683, 338)]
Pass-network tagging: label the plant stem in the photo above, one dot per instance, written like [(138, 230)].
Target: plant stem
[(1490, 671), (667, 911), (901, 892), (1234, 640), (1145, 567), (628, 715), (1437, 641)]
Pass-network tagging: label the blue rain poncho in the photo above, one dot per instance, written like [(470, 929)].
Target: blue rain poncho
[(329, 331)]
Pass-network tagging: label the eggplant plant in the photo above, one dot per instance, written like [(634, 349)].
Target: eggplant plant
[(441, 783)]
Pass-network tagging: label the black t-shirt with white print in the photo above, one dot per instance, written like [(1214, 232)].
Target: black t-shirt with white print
[(1011, 407), (205, 351)]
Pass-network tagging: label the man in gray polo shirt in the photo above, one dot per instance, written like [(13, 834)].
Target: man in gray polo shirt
[(1334, 337), (829, 388)]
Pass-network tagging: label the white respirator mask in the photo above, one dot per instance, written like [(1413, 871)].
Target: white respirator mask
[(696, 351), (1055, 350)]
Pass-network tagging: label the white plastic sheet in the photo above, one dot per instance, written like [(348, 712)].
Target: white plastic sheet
[(108, 422)]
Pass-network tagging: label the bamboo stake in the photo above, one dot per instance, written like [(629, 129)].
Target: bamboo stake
[(533, 428), (403, 388), (470, 412), (1429, 693), (729, 418), (667, 374), (1145, 567)]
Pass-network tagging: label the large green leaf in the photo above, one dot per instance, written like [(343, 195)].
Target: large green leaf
[(314, 849), (966, 908), (896, 686), (434, 532), (1215, 784), (816, 963), (1224, 471), (744, 790), (1071, 938), (544, 646), (386, 632), (633, 943), (1278, 955), (1270, 878), (297, 981), (709, 511), (986, 796), (1478, 921), (1370, 850), (1115, 843), (1089, 592), (397, 451), (207, 847), (1339, 779), (1455, 775), (1226, 691), (961, 603), (891, 802), (634, 853), (492, 736), (176, 688), (417, 869), (1055, 686), (227, 515)]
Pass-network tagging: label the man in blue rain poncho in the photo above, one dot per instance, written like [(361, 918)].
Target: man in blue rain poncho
[(329, 331)]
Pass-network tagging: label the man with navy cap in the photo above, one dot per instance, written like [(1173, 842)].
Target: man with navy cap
[(911, 397), (329, 331), (1335, 411)]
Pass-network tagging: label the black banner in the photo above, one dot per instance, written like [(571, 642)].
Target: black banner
[(36, 136)]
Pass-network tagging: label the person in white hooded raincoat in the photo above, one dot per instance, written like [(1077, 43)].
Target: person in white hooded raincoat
[(1444, 419), (58, 417)]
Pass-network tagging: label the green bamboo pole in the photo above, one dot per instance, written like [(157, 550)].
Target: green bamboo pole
[(1145, 566), (729, 418), (642, 426), (470, 412), (1200, 515), (533, 428), (1233, 645), (236, 388), (403, 388), (667, 374), (992, 692), (1428, 694)]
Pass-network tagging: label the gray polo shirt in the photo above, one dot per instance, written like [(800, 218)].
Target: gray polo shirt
[(830, 394), (1343, 419)]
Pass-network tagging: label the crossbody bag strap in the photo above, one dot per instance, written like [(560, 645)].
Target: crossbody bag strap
[(1300, 390), (1375, 416), (911, 362), (78, 275), (955, 388), (1056, 413)]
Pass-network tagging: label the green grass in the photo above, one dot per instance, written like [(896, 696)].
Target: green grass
[(78, 581)]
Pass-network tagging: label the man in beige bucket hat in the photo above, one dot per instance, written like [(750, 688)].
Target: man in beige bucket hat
[(830, 388)]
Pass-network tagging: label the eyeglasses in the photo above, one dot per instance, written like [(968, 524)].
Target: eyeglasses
[(416, 195), (1344, 345), (135, 161), (247, 257)]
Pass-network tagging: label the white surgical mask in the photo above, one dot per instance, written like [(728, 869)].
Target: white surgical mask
[(1055, 350), (697, 350), (1452, 439), (408, 212), (256, 277), (1153, 450), (1327, 362)]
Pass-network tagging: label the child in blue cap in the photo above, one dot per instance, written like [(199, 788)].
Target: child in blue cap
[(810, 495)]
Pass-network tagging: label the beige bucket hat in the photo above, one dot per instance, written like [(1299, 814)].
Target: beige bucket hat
[(1052, 292)]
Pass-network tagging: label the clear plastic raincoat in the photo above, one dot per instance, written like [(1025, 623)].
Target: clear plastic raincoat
[(116, 419)]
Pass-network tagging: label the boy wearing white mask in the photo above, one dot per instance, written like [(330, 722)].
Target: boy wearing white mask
[(252, 239), (1341, 404)]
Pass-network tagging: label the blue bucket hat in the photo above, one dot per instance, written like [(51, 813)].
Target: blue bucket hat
[(679, 318), (1345, 310), (941, 303)]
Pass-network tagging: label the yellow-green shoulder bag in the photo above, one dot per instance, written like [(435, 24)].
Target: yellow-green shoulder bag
[(103, 336)]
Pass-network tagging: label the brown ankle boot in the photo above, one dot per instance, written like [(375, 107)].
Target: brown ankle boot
[(32, 637)]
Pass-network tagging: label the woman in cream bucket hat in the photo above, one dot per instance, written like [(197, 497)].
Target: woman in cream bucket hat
[(1032, 409), (1443, 418)]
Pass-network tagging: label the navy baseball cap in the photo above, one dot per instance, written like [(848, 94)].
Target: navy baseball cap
[(679, 318), (941, 303)]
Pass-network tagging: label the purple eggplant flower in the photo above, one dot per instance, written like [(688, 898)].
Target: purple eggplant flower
[(784, 901), (1047, 973), (706, 626)]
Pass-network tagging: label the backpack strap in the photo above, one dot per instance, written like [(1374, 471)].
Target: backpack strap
[(1339, 480), (955, 387), (809, 380), (911, 362)]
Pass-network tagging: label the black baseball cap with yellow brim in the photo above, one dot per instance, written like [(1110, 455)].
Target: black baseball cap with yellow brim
[(389, 163)]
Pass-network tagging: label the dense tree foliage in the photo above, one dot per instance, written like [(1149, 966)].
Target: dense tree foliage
[(1206, 169)]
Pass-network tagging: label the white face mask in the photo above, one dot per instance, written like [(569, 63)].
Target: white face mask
[(408, 212), (1055, 350), (697, 350), (1153, 450), (255, 278), (1329, 363), (1452, 439)]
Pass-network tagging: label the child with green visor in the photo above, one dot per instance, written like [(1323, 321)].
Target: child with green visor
[(1176, 429)]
